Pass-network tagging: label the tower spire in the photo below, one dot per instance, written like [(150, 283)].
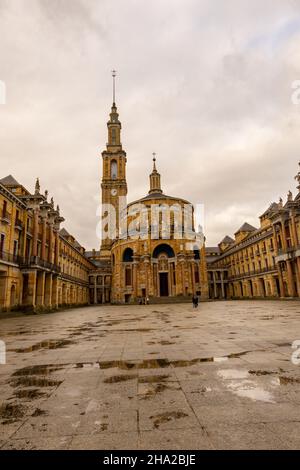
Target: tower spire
[(155, 178), (114, 74)]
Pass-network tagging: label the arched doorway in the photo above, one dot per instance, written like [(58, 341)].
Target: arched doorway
[(163, 252), (163, 272)]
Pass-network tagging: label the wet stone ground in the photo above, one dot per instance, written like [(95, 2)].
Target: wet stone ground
[(152, 377)]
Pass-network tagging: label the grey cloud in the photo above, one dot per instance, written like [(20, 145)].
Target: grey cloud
[(206, 84)]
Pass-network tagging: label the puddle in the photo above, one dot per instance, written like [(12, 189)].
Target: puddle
[(166, 417), (233, 374), (31, 394), (288, 380), (30, 381), (39, 369), (10, 412), (203, 390), (163, 363), (160, 363), (119, 378), (238, 383), (261, 372), (153, 379), (156, 388), (87, 365), (20, 332), (47, 344), (248, 389), (38, 412), (127, 365)]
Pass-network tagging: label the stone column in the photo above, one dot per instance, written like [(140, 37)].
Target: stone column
[(183, 276), (40, 289), (283, 235), (134, 276), (290, 277), (43, 247), (275, 239), (281, 286), (294, 231), (103, 290), (297, 268), (215, 285), (4, 291), (151, 283), (56, 258), (48, 290), (35, 232), (54, 300), (95, 291), (222, 285), (31, 292), (50, 255)]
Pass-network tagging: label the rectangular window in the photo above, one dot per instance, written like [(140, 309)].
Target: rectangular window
[(128, 276), (4, 209), (2, 241), (15, 247)]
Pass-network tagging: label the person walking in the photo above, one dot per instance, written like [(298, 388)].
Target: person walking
[(195, 301)]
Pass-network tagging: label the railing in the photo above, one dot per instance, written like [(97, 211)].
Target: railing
[(253, 273), (36, 261), (19, 224), (68, 277), (9, 257), (6, 216)]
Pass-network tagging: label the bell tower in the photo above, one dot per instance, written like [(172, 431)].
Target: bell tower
[(113, 185)]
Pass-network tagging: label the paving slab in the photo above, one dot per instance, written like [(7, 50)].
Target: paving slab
[(152, 377)]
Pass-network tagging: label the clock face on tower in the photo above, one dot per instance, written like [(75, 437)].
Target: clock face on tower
[(114, 192)]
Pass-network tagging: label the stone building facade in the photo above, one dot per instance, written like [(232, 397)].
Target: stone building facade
[(150, 248), (260, 262), (140, 264), (41, 266)]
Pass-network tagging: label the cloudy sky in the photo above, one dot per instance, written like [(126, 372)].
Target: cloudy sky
[(207, 84)]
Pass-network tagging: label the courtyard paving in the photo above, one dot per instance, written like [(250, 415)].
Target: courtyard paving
[(152, 377)]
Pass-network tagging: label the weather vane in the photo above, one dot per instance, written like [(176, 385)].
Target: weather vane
[(154, 156), (114, 74)]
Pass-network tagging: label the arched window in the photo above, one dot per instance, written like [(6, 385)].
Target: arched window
[(163, 248), (113, 169), (128, 255)]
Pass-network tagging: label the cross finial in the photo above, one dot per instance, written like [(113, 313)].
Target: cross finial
[(114, 74), (154, 160)]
